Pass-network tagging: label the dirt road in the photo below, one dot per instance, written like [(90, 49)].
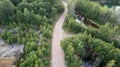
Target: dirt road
[(58, 59)]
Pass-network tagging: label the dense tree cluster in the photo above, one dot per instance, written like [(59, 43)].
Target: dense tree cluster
[(28, 34), (84, 46), (30, 22), (105, 32), (112, 2), (28, 11), (71, 25), (98, 46), (37, 56), (92, 10)]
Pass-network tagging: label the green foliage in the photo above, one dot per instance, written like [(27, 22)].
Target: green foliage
[(7, 9), (23, 19), (111, 2), (29, 11), (9, 37), (93, 10), (105, 32), (15, 2), (72, 26), (93, 43), (111, 63), (71, 57), (83, 45)]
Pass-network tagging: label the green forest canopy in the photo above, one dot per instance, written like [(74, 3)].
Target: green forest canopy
[(29, 17)]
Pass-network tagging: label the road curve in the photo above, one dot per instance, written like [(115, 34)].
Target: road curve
[(58, 59)]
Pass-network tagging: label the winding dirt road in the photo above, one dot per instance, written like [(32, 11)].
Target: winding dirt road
[(58, 59)]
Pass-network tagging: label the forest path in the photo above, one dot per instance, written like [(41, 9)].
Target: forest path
[(58, 58)]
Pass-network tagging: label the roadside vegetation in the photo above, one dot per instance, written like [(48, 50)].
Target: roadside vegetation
[(30, 22), (87, 48), (98, 46), (105, 34)]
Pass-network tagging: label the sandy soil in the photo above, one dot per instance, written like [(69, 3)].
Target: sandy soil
[(58, 59), (7, 62)]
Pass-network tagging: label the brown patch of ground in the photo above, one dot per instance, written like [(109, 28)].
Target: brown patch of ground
[(7, 62)]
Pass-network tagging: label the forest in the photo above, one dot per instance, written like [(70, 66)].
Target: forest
[(111, 2), (95, 11), (80, 32), (81, 42), (100, 46), (30, 22)]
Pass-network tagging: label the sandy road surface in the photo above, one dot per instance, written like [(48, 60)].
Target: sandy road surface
[(58, 59)]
